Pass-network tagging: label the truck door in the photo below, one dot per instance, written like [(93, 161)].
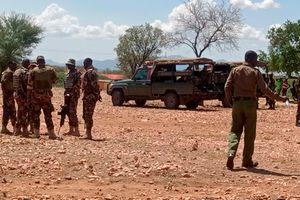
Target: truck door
[(141, 84)]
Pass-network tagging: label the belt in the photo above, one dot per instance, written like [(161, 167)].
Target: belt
[(244, 98)]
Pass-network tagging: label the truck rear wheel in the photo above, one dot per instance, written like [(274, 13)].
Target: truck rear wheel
[(140, 102), (192, 105), (117, 98), (171, 100)]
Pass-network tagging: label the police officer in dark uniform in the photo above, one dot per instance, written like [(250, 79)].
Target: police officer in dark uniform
[(240, 89)]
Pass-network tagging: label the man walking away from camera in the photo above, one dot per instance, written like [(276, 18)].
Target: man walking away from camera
[(240, 88)]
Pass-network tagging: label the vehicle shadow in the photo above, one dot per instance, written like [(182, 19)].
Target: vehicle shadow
[(264, 172), (183, 109)]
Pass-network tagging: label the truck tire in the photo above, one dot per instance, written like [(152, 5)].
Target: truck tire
[(192, 105), (225, 103), (171, 100), (117, 98), (140, 102)]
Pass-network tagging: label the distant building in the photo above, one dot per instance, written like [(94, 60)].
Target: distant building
[(114, 77), (105, 79)]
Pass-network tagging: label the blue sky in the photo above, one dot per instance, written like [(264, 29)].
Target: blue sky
[(91, 28)]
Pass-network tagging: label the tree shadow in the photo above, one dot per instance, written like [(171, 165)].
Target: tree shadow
[(264, 172)]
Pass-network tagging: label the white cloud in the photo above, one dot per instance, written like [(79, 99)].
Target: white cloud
[(265, 4), (249, 32), (57, 21)]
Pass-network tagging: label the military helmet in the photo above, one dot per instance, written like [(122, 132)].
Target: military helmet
[(71, 62)]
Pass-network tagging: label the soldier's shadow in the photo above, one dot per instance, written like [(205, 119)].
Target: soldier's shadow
[(264, 172), (94, 139)]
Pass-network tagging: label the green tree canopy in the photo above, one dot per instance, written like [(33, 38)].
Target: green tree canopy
[(284, 49), (138, 44), (18, 36)]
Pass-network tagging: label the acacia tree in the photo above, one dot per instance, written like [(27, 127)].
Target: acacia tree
[(205, 24), (18, 36), (284, 47), (138, 44)]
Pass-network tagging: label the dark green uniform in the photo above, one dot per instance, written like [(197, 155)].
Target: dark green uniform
[(240, 89)]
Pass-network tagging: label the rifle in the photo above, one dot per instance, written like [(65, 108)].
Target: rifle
[(64, 111)]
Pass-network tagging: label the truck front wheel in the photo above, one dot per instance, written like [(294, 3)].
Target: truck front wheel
[(171, 100), (117, 98)]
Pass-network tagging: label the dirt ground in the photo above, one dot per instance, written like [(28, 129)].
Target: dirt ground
[(153, 153)]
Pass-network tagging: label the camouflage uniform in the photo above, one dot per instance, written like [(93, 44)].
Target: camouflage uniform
[(72, 94), (40, 83), (20, 80), (9, 109), (91, 94), (272, 86), (298, 100)]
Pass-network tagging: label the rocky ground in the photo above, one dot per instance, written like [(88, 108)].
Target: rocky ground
[(153, 153)]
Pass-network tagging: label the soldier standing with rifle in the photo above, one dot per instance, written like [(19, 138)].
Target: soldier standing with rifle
[(91, 94), (40, 82), (20, 81), (71, 96), (9, 109)]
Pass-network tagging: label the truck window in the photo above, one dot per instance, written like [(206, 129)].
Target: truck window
[(141, 74)]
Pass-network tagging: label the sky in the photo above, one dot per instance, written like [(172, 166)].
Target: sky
[(91, 28)]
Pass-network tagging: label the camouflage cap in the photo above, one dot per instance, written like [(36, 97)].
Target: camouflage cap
[(40, 58), (71, 62)]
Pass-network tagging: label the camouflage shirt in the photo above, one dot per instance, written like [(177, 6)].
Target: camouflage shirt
[(72, 83), (20, 81), (7, 81), (40, 81), (90, 83)]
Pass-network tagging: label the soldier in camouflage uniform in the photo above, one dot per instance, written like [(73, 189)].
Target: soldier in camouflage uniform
[(297, 85), (40, 82), (71, 95), (9, 109), (91, 94), (20, 81), (272, 86)]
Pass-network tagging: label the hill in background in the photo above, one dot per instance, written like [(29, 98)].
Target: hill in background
[(110, 64)]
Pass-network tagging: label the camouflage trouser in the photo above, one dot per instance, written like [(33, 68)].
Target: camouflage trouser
[(73, 119), (22, 113), (47, 107), (9, 110), (89, 103)]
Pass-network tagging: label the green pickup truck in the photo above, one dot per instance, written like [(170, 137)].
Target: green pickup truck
[(176, 82)]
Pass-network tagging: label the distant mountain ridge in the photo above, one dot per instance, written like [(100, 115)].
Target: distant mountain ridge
[(99, 64)]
